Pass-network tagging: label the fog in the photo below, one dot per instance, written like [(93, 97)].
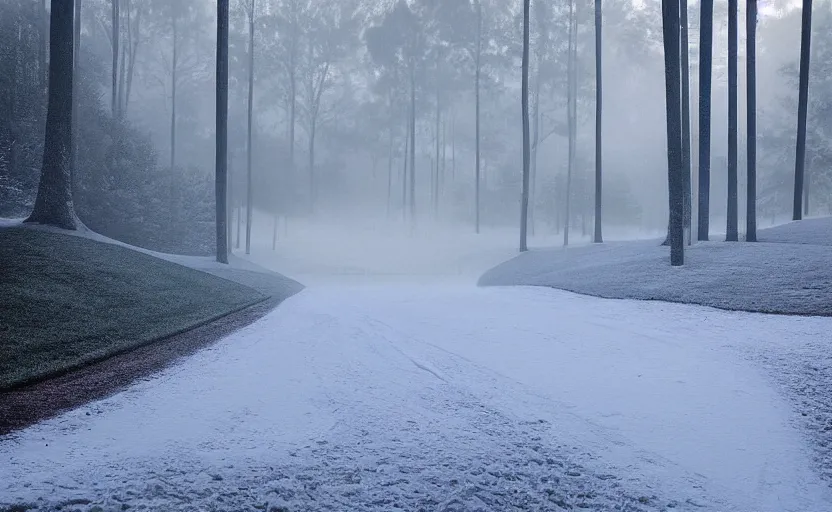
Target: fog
[(331, 100)]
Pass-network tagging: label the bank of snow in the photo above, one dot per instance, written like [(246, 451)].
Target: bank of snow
[(446, 398), (788, 272)]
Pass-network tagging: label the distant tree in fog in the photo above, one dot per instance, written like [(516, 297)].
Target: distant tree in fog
[(524, 202)]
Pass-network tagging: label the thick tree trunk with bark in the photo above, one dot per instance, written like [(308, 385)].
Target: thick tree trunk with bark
[(222, 130), (686, 158), (751, 71), (53, 205), (731, 229), (802, 108), (705, 64), (672, 65)]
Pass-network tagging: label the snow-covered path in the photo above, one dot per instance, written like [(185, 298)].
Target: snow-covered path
[(446, 398)]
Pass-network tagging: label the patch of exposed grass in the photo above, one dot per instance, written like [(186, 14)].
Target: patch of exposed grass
[(67, 301)]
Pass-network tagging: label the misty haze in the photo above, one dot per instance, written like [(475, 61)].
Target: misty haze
[(417, 255)]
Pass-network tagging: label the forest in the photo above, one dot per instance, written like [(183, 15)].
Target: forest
[(407, 110)]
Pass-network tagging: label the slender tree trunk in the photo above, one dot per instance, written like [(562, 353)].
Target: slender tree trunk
[(453, 146), (126, 49), (802, 108), (174, 66), (438, 122), (444, 151), (535, 145), (672, 65), (249, 185), (122, 66), (571, 114), (597, 237), (53, 205), (116, 36), (406, 156), (731, 232), (312, 184), (412, 145), (44, 46), (751, 71), (705, 64), (524, 202), (686, 167), (390, 162), (477, 77), (134, 50), (239, 207), (76, 80), (222, 129)]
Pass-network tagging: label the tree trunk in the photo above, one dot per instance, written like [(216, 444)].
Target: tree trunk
[(477, 73), (686, 167), (44, 47), (731, 230), (438, 122), (135, 38), (802, 108), (705, 63), (672, 65), (116, 25), (312, 189), (390, 162), (597, 237), (173, 94), (53, 205), (122, 66), (535, 145), (524, 202), (405, 158), (222, 129), (76, 80), (751, 71), (571, 111), (249, 185), (412, 145), (453, 146)]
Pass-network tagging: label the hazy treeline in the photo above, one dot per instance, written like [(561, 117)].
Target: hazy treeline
[(333, 123)]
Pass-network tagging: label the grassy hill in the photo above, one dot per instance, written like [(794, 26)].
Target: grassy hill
[(67, 301), (789, 271)]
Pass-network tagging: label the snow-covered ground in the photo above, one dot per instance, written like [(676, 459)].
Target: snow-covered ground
[(450, 397)]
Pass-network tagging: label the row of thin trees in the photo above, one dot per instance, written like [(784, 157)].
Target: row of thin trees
[(675, 38)]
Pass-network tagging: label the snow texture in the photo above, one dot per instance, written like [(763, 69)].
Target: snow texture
[(454, 398), (788, 272)]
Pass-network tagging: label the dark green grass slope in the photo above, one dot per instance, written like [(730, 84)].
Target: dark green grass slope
[(67, 301)]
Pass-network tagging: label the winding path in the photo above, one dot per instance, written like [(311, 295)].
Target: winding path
[(446, 398)]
